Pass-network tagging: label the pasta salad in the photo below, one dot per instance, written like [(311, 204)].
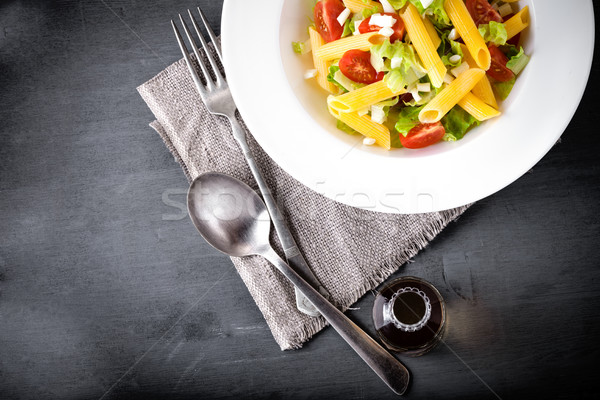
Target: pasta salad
[(412, 73)]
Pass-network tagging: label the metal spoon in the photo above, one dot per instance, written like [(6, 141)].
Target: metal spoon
[(233, 219)]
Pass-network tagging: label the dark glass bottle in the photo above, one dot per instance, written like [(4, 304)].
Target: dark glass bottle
[(409, 315)]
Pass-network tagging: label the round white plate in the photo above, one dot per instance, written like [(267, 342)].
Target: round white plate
[(288, 115)]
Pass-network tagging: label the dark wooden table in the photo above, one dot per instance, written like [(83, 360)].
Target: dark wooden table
[(107, 291)]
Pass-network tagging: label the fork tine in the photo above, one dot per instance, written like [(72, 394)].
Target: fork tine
[(207, 77), (210, 57), (211, 34), (188, 60)]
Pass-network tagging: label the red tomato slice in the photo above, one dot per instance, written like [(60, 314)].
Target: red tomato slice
[(482, 12), (326, 13), (356, 65), (498, 69), (423, 135), (398, 27)]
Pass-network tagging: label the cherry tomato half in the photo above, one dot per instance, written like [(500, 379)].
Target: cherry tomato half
[(423, 135), (356, 65), (482, 12), (498, 69), (326, 14), (398, 27)]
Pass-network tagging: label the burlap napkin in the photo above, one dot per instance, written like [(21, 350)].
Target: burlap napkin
[(351, 251)]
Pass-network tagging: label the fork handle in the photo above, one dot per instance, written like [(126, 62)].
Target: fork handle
[(285, 236), (290, 248), (386, 366)]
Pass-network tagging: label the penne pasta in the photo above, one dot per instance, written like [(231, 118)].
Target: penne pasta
[(362, 98), (366, 127), (465, 26), (337, 48), (433, 35), (359, 5), (477, 108), (322, 67), (450, 95), (517, 23), (483, 88), (424, 46)]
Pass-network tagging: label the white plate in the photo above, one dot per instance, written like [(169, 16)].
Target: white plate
[(288, 115)]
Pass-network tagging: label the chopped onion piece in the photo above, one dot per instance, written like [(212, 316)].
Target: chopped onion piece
[(455, 58), (377, 114), (387, 31), (414, 91), (343, 80), (343, 16), (453, 35), (384, 21), (356, 25), (396, 62), (311, 73), (307, 47), (426, 3), (448, 78), (368, 141), (416, 95), (377, 62), (460, 69), (424, 87), (505, 9), (387, 7)]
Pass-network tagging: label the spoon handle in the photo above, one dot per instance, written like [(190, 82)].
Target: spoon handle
[(389, 369)]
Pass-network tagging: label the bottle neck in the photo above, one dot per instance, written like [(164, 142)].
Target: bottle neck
[(409, 309)]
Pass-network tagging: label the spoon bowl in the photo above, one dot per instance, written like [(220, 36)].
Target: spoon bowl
[(228, 214)]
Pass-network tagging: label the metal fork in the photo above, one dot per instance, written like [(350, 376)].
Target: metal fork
[(218, 100)]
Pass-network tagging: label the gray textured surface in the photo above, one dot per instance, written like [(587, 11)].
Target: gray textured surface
[(107, 290)]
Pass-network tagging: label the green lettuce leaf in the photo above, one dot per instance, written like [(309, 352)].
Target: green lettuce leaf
[(390, 123), (410, 69), (503, 89), (395, 142), (494, 32), (330, 77), (299, 47), (345, 128), (510, 50), (403, 50), (438, 16), (408, 118), (457, 123), (348, 28), (389, 102), (367, 12), (518, 62), (385, 106), (397, 4), (448, 48), (336, 77)]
